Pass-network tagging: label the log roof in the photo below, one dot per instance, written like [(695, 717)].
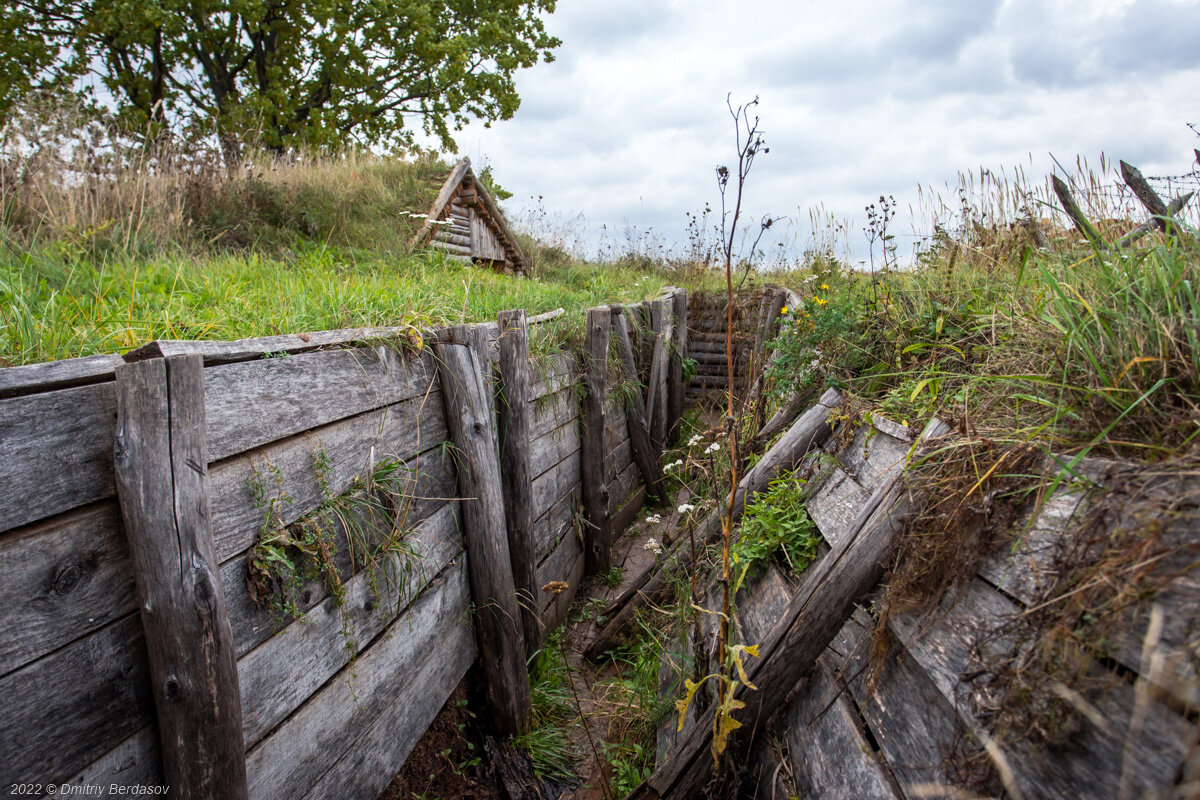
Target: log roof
[(466, 223)]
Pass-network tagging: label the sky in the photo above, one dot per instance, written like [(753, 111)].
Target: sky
[(618, 138)]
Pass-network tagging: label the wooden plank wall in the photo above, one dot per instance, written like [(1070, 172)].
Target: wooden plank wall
[(1135, 736), (707, 324), (332, 701)]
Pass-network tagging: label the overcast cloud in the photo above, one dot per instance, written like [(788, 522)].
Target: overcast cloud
[(857, 99)]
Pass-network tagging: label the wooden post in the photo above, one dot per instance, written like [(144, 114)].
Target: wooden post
[(1150, 199), (1072, 208), (593, 467), (513, 421), (656, 418), (161, 469), (493, 589), (639, 431), (1174, 207), (675, 386)]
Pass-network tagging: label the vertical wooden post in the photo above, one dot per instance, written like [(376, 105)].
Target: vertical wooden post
[(493, 590), (513, 417), (595, 458), (161, 467), (675, 383), (639, 431), (656, 406)]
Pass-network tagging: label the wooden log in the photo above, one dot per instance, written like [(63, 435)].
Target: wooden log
[(780, 421), (162, 483), (513, 417), (34, 378), (1174, 207), (1149, 198), (675, 383), (655, 417), (594, 463), (493, 591), (1075, 213), (808, 433), (445, 198), (644, 452), (774, 301), (815, 615)]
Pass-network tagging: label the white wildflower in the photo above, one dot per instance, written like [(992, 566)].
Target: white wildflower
[(685, 508), (653, 546), (712, 448), (695, 440), (674, 464), (653, 519)]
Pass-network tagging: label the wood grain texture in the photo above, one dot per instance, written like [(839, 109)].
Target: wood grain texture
[(319, 734), (286, 471), (555, 482), (493, 592), (551, 448), (552, 411), (55, 452), (594, 466), (286, 396), (160, 463), (36, 378), (513, 416), (553, 374), (134, 762), (250, 349), (644, 452), (679, 348), (64, 711), (565, 564), (61, 580), (279, 675)]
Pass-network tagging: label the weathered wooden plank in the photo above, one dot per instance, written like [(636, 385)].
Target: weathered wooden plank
[(621, 460), (161, 469), (513, 376), (134, 762), (762, 600), (322, 730), (553, 447), (628, 512), (644, 452), (35, 378), (565, 564), (55, 452), (556, 482), (1073, 211), (247, 349), (836, 504), (65, 710), (621, 488), (497, 622), (280, 674), (287, 471), (286, 396), (553, 374), (548, 527), (679, 347), (552, 411), (379, 753), (60, 580), (594, 454), (874, 456), (443, 200), (830, 755)]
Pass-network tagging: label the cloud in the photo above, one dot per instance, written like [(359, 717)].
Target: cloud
[(870, 97)]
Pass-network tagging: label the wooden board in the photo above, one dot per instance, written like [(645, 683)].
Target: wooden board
[(552, 411), (55, 452), (322, 731), (61, 580), (35, 378), (554, 374), (549, 527), (621, 487), (65, 710), (565, 564), (278, 675), (836, 504), (286, 396), (134, 762), (555, 482), (553, 447), (287, 469)]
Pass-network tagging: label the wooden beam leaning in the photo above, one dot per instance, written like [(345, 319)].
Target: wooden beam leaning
[(1073, 211), (656, 420), (513, 419), (675, 384), (594, 472), (1174, 207), (1149, 198), (493, 589), (635, 409), (161, 469)]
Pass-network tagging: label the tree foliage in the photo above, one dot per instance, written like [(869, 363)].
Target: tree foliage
[(278, 73)]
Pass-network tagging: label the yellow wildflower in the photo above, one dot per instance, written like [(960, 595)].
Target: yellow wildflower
[(784, 310), (819, 300), (825, 286)]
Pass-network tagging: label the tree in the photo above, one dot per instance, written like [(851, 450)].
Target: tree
[(278, 73)]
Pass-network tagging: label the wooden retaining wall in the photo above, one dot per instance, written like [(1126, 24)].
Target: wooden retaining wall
[(755, 321), (331, 699)]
